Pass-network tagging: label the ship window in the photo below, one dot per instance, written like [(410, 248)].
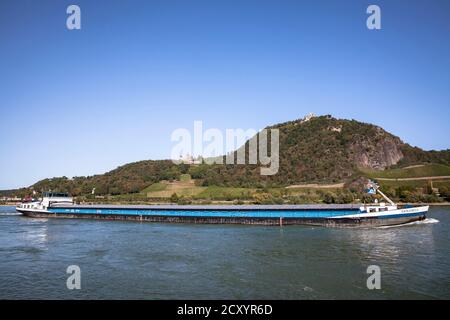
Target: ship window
[(56, 194)]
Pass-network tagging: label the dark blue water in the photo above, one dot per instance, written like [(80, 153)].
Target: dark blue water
[(121, 260)]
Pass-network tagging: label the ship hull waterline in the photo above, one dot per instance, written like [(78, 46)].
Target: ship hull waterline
[(342, 221)]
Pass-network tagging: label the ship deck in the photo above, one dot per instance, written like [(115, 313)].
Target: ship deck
[(214, 207)]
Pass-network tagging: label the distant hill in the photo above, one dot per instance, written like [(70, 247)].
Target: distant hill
[(317, 150)]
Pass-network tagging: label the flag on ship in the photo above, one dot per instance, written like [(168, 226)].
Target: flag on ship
[(371, 187), (371, 191)]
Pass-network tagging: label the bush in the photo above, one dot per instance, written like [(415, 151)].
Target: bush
[(184, 200), (328, 197), (174, 198), (445, 193)]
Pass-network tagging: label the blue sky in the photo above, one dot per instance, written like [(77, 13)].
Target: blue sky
[(85, 101)]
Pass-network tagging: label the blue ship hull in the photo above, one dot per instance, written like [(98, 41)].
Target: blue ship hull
[(320, 215)]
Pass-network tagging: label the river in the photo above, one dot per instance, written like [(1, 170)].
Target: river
[(132, 260)]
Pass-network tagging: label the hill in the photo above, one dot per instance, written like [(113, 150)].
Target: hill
[(318, 150), (324, 150)]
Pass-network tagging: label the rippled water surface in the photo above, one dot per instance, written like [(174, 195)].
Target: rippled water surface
[(131, 260)]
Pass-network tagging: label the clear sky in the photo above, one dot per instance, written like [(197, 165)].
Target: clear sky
[(85, 101)]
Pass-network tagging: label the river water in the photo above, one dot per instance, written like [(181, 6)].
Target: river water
[(131, 260)]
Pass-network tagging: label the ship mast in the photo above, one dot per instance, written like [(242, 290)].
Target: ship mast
[(385, 197), (377, 189)]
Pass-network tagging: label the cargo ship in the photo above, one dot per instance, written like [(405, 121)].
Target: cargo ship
[(61, 205)]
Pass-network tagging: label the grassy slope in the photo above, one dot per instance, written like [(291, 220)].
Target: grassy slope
[(225, 193), (181, 188), (428, 170), (159, 186), (164, 189), (415, 183), (186, 187)]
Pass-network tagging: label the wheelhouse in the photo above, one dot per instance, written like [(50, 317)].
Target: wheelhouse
[(55, 195)]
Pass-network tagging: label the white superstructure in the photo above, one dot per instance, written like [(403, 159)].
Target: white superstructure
[(47, 199), (385, 210)]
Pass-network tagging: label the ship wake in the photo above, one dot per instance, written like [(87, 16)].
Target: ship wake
[(425, 221), (10, 214)]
